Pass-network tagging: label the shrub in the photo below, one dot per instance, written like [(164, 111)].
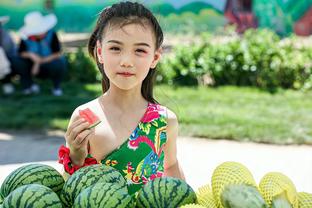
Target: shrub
[(258, 58), (81, 67)]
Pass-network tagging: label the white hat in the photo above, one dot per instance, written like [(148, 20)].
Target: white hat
[(4, 19), (36, 24)]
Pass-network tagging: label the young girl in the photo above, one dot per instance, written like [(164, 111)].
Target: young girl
[(137, 136)]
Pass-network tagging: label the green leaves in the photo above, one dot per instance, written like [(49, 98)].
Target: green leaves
[(258, 58), (82, 68)]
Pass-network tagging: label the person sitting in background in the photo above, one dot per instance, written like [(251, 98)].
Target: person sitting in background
[(7, 58), (40, 50)]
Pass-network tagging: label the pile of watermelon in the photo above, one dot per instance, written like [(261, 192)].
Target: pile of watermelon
[(33, 185), (232, 186), (41, 186)]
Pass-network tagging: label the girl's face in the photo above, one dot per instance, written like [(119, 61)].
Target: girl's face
[(127, 54)]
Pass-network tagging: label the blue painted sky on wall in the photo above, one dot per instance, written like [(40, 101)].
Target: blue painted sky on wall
[(219, 4)]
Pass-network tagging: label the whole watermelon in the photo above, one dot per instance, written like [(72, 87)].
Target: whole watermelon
[(104, 195), (32, 174), (32, 196), (165, 192), (88, 176)]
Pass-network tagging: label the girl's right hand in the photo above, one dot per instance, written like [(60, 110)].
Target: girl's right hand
[(77, 137)]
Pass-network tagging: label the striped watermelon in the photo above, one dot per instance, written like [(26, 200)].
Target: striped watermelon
[(92, 119), (100, 195), (32, 196), (88, 176), (32, 174), (165, 192), (1, 199)]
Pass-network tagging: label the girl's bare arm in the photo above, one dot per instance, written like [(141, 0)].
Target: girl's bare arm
[(172, 166)]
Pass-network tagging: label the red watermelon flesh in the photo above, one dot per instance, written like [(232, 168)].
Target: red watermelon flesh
[(92, 119)]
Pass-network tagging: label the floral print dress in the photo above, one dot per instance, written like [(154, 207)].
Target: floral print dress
[(141, 157)]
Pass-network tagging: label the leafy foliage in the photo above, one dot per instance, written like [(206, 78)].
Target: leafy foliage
[(258, 58), (81, 68)]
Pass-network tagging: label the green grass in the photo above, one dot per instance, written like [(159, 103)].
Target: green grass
[(235, 113), (44, 112), (244, 114)]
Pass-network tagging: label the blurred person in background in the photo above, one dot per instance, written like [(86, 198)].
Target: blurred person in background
[(40, 52), (8, 56)]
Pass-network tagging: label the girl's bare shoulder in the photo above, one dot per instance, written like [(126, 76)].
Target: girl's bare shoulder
[(93, 105), (171, 116)]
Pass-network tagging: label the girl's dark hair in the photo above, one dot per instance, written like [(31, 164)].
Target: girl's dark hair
[(125, 13)]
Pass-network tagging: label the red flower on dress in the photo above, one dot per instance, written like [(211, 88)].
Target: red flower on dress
[(151, 114), (157, 175), (90, 161), (152, 177)]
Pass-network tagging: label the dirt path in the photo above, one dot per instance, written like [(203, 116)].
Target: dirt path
[(198, 157)]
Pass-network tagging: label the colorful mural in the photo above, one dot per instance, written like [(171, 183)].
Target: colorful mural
[(284, 16), (80, 15)]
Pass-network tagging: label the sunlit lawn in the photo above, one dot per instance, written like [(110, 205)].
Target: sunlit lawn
[(219, 113), (242, 113)]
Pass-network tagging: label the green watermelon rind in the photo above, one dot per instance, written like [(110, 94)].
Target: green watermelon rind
[(1, 199), (32, 195), (165, 192), (94, 125), (104, 195), (32, 174), (88, 176)]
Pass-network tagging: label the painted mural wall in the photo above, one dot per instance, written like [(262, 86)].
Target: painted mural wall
[(284, 16), (80, 15)]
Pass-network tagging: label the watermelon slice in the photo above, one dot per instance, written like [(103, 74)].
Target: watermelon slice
[(92, 119)]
